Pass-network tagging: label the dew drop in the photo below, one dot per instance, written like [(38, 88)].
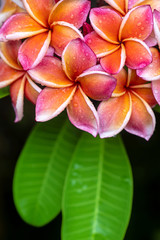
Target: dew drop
[(139, 24)]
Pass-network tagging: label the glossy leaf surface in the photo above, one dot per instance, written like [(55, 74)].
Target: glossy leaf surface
[(98, 191), (4, 92), (41, 169)]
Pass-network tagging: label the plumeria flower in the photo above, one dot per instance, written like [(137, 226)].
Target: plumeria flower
[(129, 108), (118, 41), (12, 73), (123, 6), (69, 84), (46, 23), (152, 71)]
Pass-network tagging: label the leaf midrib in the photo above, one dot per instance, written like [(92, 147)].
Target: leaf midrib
[(99, 183)]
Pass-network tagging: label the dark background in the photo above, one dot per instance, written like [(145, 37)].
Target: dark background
[(144, 157)]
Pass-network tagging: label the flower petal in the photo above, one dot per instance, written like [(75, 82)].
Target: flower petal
[(82, 113), (100, 46), (52, 102), (9, 53), (119, 5), (134, 79), (31, 90), (146, 94), (152, 71), (106, 22), (33, 50), (138, 54), (77, 57), (62, 34), (50, 73), (97, 85), (7, 8), (151, 41), (156, 18), (39, 10), (18, 3), (114, 114), (137, 23), (114, 62), (17, 97), (142, 120), (121, 78), (8, 74), (74, 12), (155, 4), (20, 26), (156, 90)]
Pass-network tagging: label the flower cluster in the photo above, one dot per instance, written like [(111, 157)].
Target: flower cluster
[(63, 54)]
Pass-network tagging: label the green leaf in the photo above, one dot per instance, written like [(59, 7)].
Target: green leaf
[(41, 169), (4, 92), (157, 108), (98, 191)]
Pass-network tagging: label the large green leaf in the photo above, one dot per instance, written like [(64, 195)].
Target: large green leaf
[(4, 92), (41, 169), (98, 191)]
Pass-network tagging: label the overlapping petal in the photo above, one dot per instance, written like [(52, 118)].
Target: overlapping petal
[(137, 23), (20, 26), (74, 12), (17, 96), (100, 46), (121, 83), (82, 113), (76, 58), (9, 53), (114, 62), (142, 120), (106, 22), (33, 50), (97, 85), (120, 5), (31, 90), (7, 8), (50, 73), (145, 92), (39, 10), (155, 4), (52, 102), (8, 74), (152, 71), (156, 90), (114, 114), (133, 79), (156, 18), (62, 34), (138, 54)]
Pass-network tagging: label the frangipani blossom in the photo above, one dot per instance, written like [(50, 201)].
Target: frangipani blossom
[(12, 73), (155, 4), (118, 41), (46, 23), (69, 84), (129, 107)]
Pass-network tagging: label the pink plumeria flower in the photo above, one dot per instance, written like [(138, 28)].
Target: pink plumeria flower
[(46, 23), (70, 83), (152, 71), (12, 73), (129, 108), (118, 41)]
